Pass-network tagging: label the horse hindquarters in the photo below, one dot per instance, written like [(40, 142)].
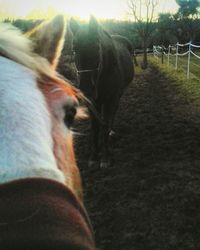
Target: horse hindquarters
[(108, 111), (95, 135), (126, 67)]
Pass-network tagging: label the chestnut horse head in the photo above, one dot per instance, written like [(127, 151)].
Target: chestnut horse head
[(37, 107), (40, 185)]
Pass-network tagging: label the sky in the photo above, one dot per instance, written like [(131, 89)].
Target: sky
[(103, 9)]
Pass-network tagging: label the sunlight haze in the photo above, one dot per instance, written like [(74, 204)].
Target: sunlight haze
[(104, 9)]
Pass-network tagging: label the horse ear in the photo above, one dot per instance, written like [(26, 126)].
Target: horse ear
[(48, 39), (93, 26), (74, 26)]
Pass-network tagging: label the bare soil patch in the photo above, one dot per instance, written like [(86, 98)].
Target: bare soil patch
[(149, 199)]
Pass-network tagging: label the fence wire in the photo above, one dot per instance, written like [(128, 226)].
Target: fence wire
[(161, 51)]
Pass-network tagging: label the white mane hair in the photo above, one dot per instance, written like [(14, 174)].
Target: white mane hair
[(26, 144), (19, 48)]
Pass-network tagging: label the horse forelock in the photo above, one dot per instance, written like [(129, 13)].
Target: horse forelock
[(13, 44), (19, 48)]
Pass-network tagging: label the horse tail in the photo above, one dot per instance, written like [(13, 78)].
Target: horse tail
[(130, 47)]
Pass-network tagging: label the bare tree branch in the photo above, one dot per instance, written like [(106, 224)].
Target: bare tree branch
[(144, 21)]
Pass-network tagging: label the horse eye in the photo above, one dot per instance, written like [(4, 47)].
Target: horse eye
[(70, 112)]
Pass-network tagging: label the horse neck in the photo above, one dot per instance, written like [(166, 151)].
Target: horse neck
[(26, 145)]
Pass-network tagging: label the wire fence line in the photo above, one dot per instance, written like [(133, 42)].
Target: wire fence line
[(141, 51), (177, 51)]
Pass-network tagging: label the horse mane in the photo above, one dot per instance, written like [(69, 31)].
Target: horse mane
[(19, 48)]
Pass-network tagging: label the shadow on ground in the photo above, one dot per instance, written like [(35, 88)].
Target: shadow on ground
[(149, 199)]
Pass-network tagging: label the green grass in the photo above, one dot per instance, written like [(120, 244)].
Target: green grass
[(183, 63), (190, 88)]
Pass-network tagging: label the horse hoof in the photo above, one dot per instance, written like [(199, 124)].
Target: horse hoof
[(104, 164)]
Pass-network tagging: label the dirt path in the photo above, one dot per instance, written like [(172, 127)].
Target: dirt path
[(150, 198)]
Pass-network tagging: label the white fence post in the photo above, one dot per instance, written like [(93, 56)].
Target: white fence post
[(168, 55), (188, 66), (188, 53), (176, 66)]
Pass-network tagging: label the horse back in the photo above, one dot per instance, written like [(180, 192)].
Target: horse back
[(123, 41)]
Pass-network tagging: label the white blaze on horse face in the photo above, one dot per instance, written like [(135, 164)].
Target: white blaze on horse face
[(26, 144)]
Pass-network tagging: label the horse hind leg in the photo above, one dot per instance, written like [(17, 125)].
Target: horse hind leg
[(94, 141), (112, 132), (109, 112)]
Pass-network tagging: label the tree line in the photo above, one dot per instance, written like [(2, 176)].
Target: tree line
[(147, 30)]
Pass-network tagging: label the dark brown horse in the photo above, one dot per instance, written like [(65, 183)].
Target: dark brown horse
[(105, 66)]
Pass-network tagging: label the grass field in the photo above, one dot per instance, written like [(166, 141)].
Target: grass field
[(148, 199), (183, 64), (189, 88)]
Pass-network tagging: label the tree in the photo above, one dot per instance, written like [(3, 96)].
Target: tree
[(188, 8), (164, 32), (144, 22), (186, 19)]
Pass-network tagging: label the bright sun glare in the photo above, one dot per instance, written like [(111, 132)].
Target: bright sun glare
[(103, 9), (81, 8)]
